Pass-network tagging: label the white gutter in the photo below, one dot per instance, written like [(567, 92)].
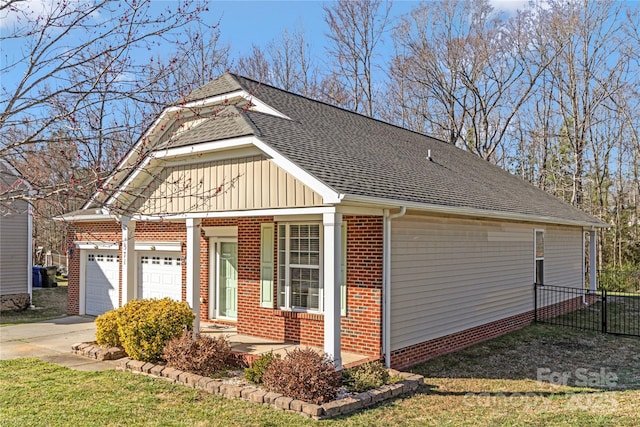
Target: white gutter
[(386, 282), (474, 212)]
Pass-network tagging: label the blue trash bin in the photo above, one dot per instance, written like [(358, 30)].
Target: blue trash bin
[(37, 279)]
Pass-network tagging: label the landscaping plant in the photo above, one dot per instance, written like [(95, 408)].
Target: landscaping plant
[(145, 326), (305, 375), (366, 376), (256, 371), (203, 355)]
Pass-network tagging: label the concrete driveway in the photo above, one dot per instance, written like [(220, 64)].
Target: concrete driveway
[(51, 341)]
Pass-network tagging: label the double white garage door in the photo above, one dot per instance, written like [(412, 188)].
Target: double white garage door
[(159, 276)]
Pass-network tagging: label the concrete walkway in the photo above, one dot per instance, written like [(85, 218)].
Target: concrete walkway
[(51, 341)]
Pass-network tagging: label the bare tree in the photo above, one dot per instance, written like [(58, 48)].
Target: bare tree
[(285, 62), (356, 27), (468, 72)]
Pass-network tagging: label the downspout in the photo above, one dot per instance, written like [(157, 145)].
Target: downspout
[(386, 282)]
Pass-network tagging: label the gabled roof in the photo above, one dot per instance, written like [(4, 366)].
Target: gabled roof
[(369, 161)]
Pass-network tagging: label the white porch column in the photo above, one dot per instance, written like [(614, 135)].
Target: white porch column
[(593, 270), (332, 223), (193, 269), (128, 258)]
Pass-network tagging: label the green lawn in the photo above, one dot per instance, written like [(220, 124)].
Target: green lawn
[(493, 383), (49, 303)]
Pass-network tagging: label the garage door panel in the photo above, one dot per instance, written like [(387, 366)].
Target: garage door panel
[(160, 275), (102, 270)]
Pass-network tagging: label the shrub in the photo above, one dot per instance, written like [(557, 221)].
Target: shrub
[(107, 329), (303, 375), (365, 377), (145, 326), (203, 355), (256, 371)]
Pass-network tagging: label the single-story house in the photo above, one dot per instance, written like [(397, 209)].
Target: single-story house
[(299, 221), (15, 240)]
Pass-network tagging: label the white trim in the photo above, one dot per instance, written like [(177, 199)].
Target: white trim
[(221, 144), (134, 174), (464, 211), (536, 258), (214, 282), (221, 231), (331, 248), (128, 264), (82, 286), (87, 217), (247, 213), (329, 196), (159, 246), (215, 156), (298, 218), (193, 270), (97, 246), (593, 268)]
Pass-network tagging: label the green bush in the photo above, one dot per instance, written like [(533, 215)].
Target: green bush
[(203, 355), (145, 326), (365, 377), (107, 329), (304, 375), (255, 372)]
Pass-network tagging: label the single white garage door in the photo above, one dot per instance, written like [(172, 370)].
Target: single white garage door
[(101, 281), (160, 275)]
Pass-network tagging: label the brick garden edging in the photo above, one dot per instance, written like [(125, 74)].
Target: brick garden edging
[(408, 385)]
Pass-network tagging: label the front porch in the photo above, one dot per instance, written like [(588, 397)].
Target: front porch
[(252, 347)]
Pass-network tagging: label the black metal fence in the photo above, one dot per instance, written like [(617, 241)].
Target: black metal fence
[(603, 310)]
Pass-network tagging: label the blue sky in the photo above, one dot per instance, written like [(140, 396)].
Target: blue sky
[(243, 23)]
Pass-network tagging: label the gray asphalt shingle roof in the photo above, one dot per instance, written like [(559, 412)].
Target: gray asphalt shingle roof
[(357, 155)]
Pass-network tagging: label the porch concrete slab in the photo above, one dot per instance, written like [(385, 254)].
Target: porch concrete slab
[(256, 345)]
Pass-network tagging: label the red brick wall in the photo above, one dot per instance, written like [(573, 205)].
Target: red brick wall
[(361, 327), (424, 351)]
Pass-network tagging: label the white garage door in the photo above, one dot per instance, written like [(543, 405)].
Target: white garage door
[(101, 280), (160, 275)]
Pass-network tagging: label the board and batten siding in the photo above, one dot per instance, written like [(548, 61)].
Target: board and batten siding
[(14, 259), (252, 182)]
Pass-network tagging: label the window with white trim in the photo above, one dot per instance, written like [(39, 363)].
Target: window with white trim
[(539, 257), (300, 267)]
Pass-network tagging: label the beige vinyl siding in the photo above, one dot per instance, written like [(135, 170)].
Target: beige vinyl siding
[(14, 268), (563, 257), (449, 275), (232, 184)]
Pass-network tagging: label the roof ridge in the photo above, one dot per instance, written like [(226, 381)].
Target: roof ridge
[(375, 119)]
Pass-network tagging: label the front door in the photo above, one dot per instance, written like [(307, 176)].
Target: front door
[(227, 279)]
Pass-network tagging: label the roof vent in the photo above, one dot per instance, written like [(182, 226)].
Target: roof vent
[(429, 155)]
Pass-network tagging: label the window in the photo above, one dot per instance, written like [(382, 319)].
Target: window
[(539, 257), (299, 267)]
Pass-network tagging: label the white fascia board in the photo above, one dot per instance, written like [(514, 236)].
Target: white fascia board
[(159, 246), (98, 217), (223, 144), (222, 99), (163, 117), (129, 180), (103, 246), (463, 211), (329, 195), (232, 214)]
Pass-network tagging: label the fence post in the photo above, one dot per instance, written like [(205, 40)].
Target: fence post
[(604, 311), (535, 302)]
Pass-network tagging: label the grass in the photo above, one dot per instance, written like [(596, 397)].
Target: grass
[(493, 383), (49, 303)]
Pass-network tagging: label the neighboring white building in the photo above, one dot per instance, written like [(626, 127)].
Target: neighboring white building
[(15, 241)]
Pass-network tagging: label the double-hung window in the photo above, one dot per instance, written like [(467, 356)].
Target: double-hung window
[(539, 257), (300, 267)]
